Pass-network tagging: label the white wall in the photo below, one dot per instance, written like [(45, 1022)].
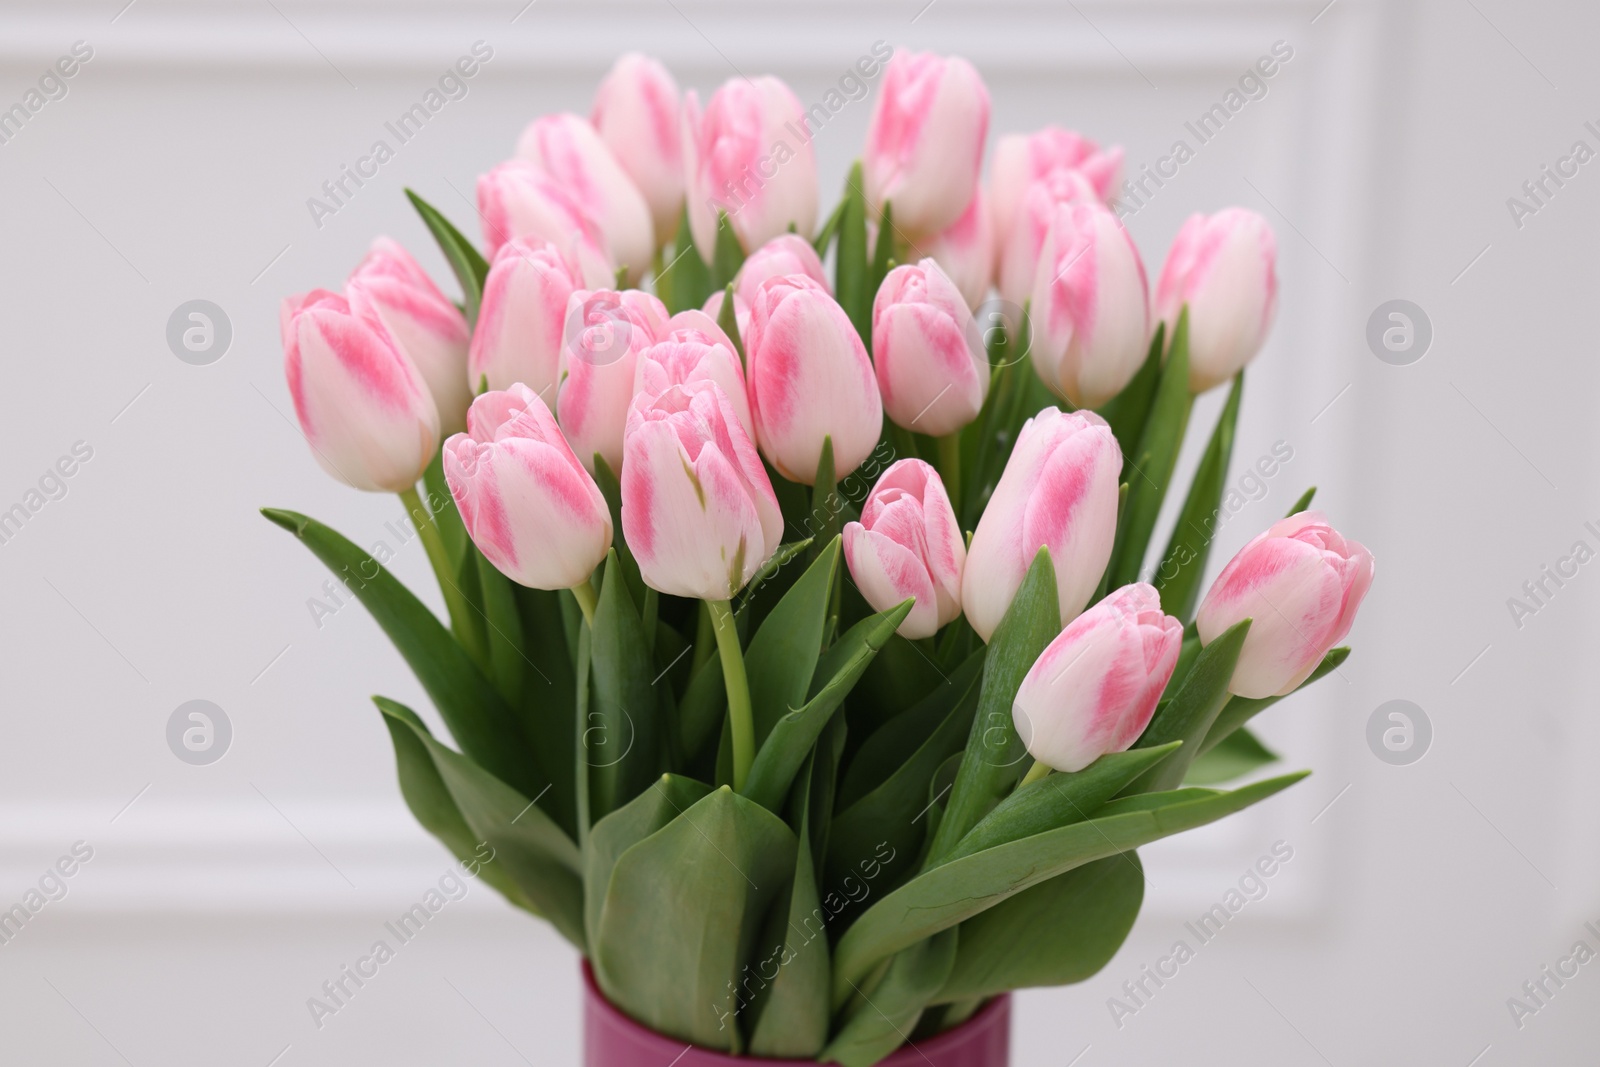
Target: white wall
[(178, 167)]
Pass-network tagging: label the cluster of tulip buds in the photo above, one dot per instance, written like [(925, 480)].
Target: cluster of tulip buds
[(560, 366)]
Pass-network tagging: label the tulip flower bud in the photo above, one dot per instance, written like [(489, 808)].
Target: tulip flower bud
[(364, 408), (908, 544), (1224, 266), (1059, 490), (809, 379), (604, 334), (391, 289), (965, 251), (527, 503), (568, 149), (638, 114), (787, 253), (1095, 687), (1090, 306), (925, 141), (518, 199), (518, 334), (927, 350), (698, 510), (748, 155), (1022, 249), (692, 324), (1020, 159), (691, 356), (1301, 583)]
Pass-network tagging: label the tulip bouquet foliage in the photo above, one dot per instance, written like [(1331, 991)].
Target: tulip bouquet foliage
[(798, 667)]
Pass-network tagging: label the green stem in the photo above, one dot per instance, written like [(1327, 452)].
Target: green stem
[(1036, 772), (741, 725), (583, 593), (950, 467), (461, 617), (704, 638)]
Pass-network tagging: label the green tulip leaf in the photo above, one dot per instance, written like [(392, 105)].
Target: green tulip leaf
[(728, 319), (701, 712), (885, 798), (504, 629), (1238, 754), (958, 890), (878, 1023), (1058, 800), (1240, 710), (783, 654), (1127, 411), (536, 855), (901, 744), (431, 803), (1177, 577), (669, 797), (620, 741), (779, 757), (611, 488), (786, 552), (1060, 931), (883, 255), (685, 280), (681, 915), (852, 282), (727, 256), (996, 757), (468, 264), (1303, 503), (830, 227), (479, 720), (791, 1005), (549, 696), (1191, 711), (1148, 468)]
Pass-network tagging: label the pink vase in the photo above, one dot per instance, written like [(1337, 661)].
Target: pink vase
[(611, 1039)]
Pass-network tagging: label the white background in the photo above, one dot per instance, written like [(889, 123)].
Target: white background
[(178, 167)]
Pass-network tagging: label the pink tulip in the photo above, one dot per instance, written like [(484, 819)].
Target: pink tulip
[(568, 149), (639, 116), (688, 356), (1059, 490), (1021, 249), (1095, 687), (605, 332), (1090, 306), (908, 544), (1020, 159), (1301, 583), (809, 379), (692, 324), (391, 289), (748, 155), (518, 335), (518, 199), (787, 253), (930, 361), (527, 503), (966, 250), (363, 406), (925, 141), (698, 510), (1224, 266)]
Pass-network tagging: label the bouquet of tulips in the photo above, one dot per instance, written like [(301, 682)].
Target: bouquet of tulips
[(798, 666)]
